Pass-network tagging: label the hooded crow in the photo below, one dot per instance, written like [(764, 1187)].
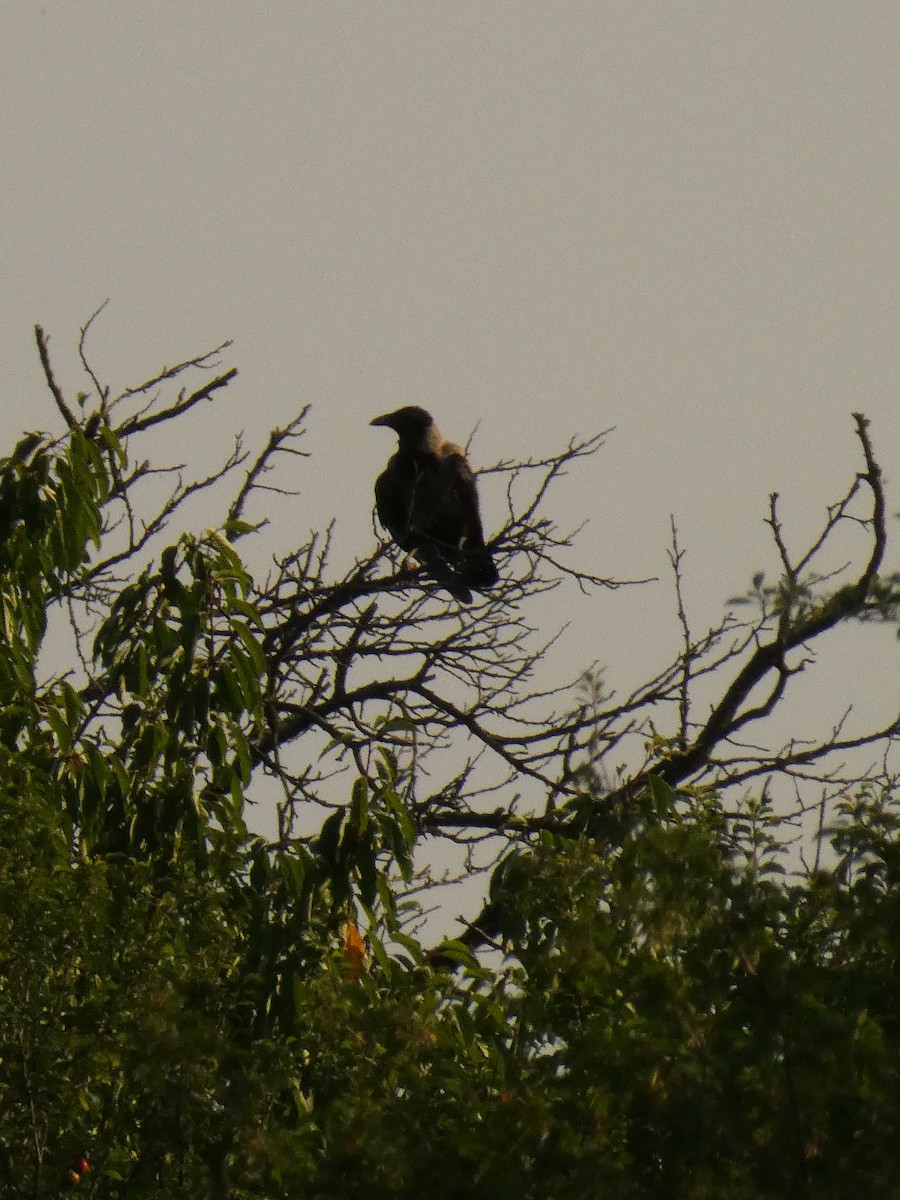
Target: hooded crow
[(428, 502)]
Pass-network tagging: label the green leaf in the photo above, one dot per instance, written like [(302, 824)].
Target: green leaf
[(236, 529), (359, 804), (458, 952), (329, 836), (61, 729), (663, 796), (253, 647)]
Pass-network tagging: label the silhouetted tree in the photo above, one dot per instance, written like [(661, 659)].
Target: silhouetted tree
[(190, 1008)]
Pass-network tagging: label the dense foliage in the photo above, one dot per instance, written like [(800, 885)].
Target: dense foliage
[(188, 1010)]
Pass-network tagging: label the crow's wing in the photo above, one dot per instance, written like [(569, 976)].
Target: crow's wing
[(473, 561), (394, 494)]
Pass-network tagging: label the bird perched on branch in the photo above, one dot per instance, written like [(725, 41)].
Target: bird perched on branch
[(427, 500)]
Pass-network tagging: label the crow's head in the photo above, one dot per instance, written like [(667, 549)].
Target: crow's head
[(411, 424)]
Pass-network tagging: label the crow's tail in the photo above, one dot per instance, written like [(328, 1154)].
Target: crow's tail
[(476, 567)]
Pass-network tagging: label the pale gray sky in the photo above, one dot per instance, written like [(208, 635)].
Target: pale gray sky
[(681, 219)]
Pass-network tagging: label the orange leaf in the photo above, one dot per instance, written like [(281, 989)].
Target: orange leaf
[(354, 950)]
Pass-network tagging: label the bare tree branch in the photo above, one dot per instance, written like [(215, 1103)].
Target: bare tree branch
[(183, 404), (279, 441), (102, 392), (67, 413)]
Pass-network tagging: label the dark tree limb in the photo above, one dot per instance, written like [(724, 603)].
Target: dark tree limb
[(67, 414)]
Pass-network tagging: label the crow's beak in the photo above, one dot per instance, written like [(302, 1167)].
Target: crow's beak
[(385, 419)]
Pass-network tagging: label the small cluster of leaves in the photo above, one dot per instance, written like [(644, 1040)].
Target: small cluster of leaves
[(49, 517), (181, 645)]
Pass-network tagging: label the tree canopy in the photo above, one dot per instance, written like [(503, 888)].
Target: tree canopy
[(661, 995)]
